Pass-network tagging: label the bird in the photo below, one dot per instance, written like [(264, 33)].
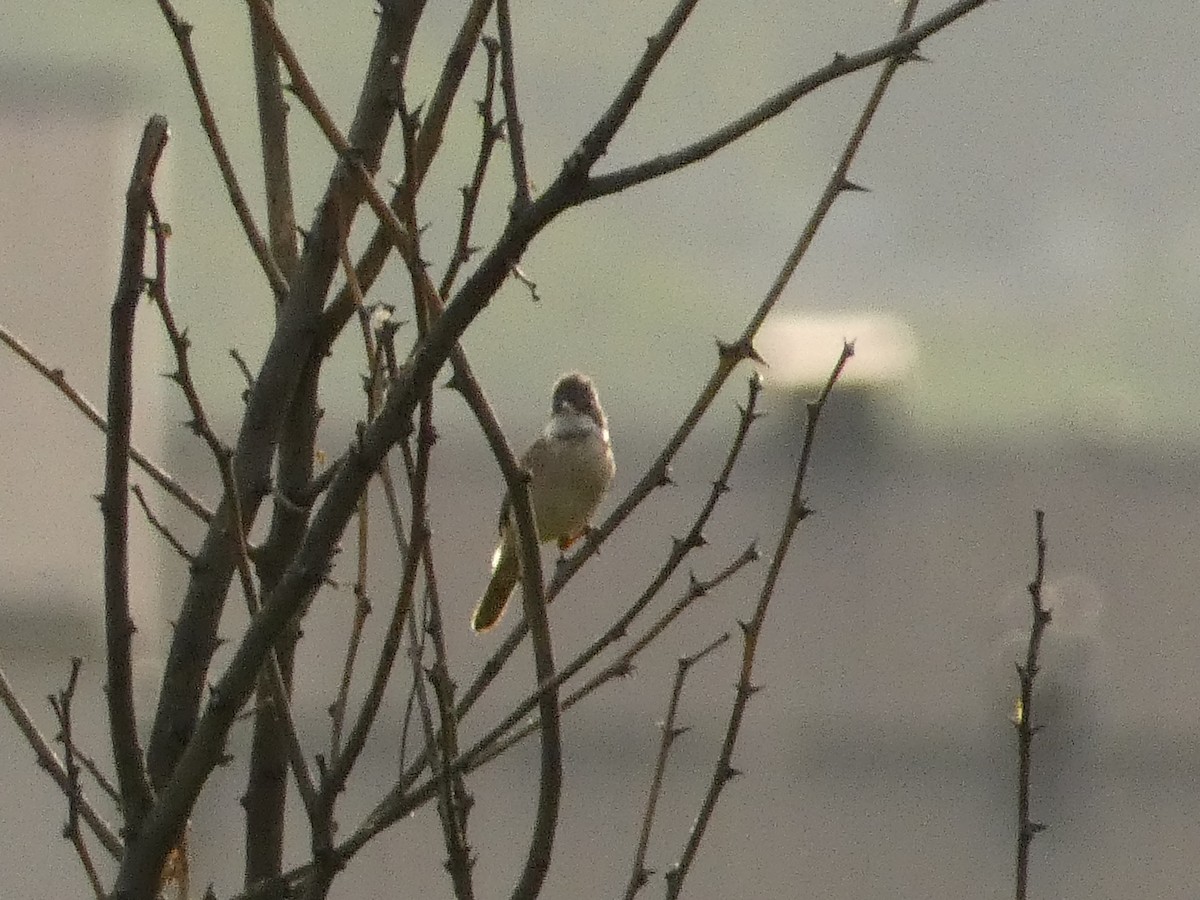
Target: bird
[(570, 468)]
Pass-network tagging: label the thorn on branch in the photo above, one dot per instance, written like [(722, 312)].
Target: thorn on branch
[(741, 349), (848, 186)]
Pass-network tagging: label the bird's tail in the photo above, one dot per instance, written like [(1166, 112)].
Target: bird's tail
[(504, 578)]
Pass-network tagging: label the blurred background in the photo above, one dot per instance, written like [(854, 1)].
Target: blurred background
[(1021, 280)]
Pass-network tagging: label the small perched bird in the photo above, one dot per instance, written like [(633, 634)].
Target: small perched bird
[(570, 467)]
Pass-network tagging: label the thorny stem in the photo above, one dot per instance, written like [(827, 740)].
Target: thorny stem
[(639, 875), (1023, 719)]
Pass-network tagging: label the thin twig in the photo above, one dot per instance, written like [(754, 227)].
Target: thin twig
[(240, 362), (1023, 719), (61, 703), (512, 117), (158, 525), (118, 622), (454, 801), (458, 58), (418, 538), (530, 285), (796, 511), (157, 473), (48, 760), (440, 748), (273, 132), (640, 874), (595, 143), (362, 603), (490, 133), (182, 32), (89, 765)]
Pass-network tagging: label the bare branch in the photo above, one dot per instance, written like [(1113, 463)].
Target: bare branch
[(272, 129), (640, 874), (440, 749), (49, 761), (455, 67), (118, 623), (349, 156), (341, 765), (89, 765), (182, 31), (61, 703), (516, 478), (595, 143), (490, 134), (1023, 720), (512, 117), (454, 803), (533, 595), (160, 476), (362, 603), (158, 525)]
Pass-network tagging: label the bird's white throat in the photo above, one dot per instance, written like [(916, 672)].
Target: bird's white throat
[(573, 425)]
